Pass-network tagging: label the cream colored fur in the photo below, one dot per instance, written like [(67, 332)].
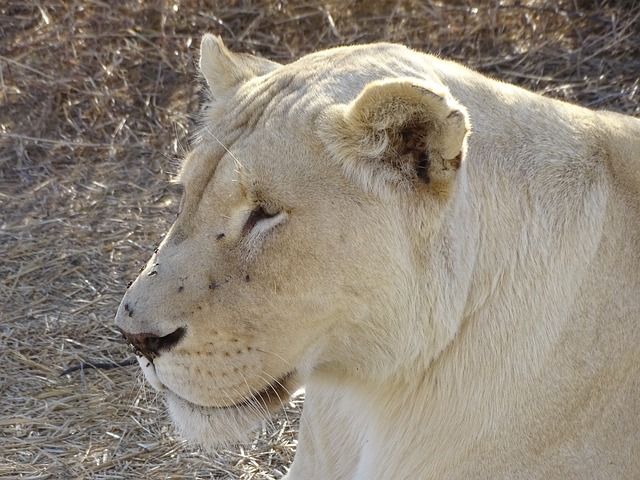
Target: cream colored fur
[(450, 265)]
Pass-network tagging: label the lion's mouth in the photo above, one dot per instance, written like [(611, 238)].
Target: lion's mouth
[(220, 425), (270, 398)]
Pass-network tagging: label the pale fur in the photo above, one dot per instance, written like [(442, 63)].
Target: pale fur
[(478, 321)]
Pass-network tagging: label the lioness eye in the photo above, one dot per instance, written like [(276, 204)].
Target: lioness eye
[(259, 213)]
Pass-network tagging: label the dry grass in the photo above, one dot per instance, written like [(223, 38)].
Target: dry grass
[(96, 105)]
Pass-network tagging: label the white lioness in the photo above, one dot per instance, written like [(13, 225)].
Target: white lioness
[(449, 264)]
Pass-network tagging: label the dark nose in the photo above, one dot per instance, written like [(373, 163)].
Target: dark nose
[(150, 345)]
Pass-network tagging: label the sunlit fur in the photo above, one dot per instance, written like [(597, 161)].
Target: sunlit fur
[(450, 266)]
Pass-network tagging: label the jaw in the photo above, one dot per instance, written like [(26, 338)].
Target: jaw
[(215, 426), (212, 426)]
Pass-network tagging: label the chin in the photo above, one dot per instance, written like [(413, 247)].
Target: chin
[(214, 427)]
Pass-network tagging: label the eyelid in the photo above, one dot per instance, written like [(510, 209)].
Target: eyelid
[(258, 214)]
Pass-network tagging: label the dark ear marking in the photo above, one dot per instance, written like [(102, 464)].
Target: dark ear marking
[(414, 143), (411, 132), (456, 161), (422, 166)]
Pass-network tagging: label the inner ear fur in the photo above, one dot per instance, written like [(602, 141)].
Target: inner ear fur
[(405, 129)]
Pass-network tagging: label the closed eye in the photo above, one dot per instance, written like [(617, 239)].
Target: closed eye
[(258, 215)]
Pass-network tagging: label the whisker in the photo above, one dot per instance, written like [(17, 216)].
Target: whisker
[(273, 382), (266, 415), (238, 163), (260, 410), (268, 352)]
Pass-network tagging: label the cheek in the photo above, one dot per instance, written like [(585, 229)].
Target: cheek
[(218, 370)]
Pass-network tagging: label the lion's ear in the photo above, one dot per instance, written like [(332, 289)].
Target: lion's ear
[(225, 70), (403, 131)]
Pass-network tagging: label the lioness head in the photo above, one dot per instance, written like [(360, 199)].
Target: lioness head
[(301, 230)]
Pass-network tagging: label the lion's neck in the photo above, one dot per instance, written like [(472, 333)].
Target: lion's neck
[(498, 325), (517, 323)]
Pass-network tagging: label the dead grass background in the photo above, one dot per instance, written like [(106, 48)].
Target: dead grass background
[(97, 101)]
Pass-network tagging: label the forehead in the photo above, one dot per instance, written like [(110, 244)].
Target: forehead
[(255, 167), (251, 133), (270, 120), (199, 165), (295, 94)]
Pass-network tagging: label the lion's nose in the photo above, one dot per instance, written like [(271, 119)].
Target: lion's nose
[(150, 345)]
